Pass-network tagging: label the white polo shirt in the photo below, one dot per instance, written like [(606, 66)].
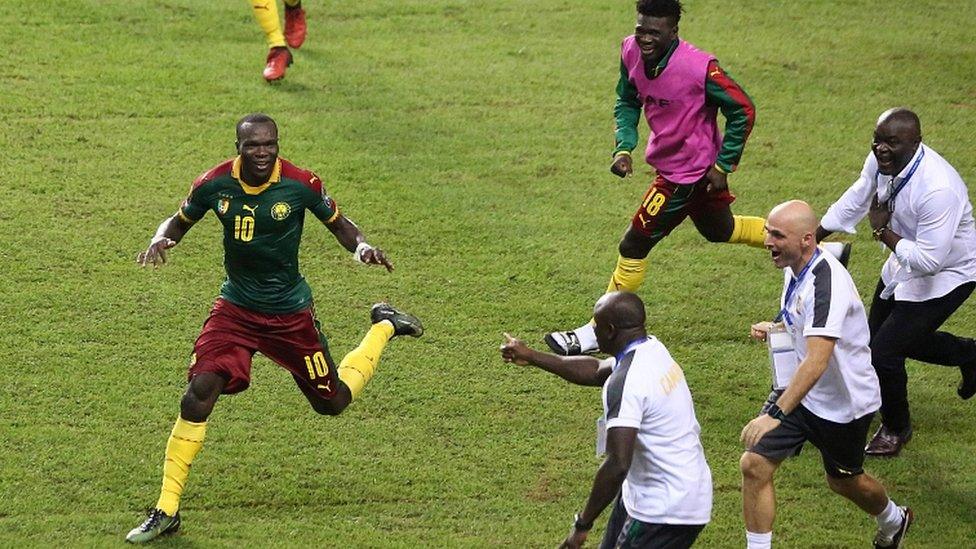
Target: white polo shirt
[(933, 216), (669, 481), (826, 303)]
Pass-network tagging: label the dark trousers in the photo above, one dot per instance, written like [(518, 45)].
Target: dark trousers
[(907, 329), (626, 532)]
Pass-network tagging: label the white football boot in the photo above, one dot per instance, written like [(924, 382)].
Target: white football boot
[(581, 341)]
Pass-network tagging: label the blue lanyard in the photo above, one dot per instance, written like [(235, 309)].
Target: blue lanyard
[(630, 347), (911, 172), (791, 288)]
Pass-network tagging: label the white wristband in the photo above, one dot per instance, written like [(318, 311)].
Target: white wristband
[(360, 250)]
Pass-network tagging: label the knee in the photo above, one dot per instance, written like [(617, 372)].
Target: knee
[(193, 408), (755, 468), (884, 353), (716, 227), (200, 397), (635, 245), (717, 234), (718, 238)]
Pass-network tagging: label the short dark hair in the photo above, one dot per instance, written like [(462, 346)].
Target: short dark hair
[(661, 8), (255, 118), (906, 116)]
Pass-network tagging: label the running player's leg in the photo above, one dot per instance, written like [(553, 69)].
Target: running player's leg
[(220, 364), (843, 460), (279, 58), (295, 26), (303, 350), (663, 208), (712, 216), (266, 14)]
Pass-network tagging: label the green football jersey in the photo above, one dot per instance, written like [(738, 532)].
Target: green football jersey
[(262, 231)]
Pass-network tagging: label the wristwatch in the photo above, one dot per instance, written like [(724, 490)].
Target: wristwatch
[(580, 525), (775, 412), (879, 232)]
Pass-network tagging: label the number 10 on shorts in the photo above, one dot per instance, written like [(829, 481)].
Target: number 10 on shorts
[(317, 366)]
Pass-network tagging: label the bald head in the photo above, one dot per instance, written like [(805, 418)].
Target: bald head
[(622, 309), (619, 318), (901, 118), (791, 234), (896, 138), (795, 216)]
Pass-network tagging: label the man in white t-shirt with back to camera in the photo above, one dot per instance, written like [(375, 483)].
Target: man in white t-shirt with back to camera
[(831, 390), (655, 466)]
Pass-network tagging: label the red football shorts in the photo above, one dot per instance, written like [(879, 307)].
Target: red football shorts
[(667, 204), (232, 334)]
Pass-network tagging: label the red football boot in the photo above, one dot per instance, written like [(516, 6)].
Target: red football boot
[(278, 60), (295, 28)]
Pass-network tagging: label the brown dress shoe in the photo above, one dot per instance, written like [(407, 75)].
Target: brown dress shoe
[(887, 443)]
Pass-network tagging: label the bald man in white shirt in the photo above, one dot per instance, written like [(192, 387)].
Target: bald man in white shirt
[(832, 393), (655, 474), (918, 207)]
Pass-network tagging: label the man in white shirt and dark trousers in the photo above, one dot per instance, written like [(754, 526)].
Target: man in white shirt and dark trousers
[(655, 465), (831, 390), (919, 208)]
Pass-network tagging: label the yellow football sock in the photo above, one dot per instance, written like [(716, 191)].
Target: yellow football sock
[(266, 14), (748, 230), (184, 443), (357, 367), (628, 275)]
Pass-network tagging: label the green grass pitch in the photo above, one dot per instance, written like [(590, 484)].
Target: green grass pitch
[(471, 140)]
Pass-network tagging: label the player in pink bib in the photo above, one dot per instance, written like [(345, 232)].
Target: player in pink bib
[(680, 90)]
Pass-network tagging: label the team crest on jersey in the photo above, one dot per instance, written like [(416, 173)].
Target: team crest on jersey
[(280, 211), (223, 205)]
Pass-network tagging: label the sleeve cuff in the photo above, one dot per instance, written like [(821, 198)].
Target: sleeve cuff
[(185, 217), (623, 422), (621, 152), (831, 223), (723, 169), (833, 333), (903, 251)]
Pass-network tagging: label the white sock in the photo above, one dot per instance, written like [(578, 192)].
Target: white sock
[(889, 521), (833, 248), (587, 336), (759, 541)]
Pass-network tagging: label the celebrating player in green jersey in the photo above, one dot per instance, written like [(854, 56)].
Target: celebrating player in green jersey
[(265, 305)]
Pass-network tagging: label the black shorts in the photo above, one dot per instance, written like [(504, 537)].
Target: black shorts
[(626, 532), (841, 445)]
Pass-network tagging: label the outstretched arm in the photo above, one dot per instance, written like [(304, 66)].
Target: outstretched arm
[(169, 234), (581, 370), (352, 239)]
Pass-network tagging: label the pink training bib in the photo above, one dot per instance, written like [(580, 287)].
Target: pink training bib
[(685, 138)]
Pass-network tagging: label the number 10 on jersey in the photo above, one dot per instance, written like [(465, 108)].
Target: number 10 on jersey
[(243, 228)]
